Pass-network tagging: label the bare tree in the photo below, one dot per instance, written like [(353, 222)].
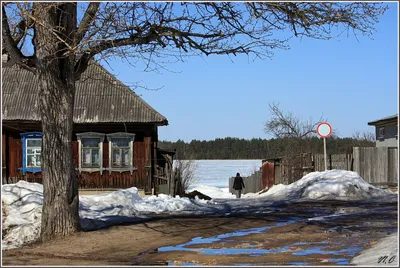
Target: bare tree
[(286, 125), (295, 133), (184, 175), (363, 139), (56, 42)]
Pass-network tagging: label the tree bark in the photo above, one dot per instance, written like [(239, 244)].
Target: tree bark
[(55, 69)]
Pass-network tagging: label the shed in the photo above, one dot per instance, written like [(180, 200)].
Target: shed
[(386, 131)]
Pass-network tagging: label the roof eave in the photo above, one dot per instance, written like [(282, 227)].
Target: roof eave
[(380, 122)]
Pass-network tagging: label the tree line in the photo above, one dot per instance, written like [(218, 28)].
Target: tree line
[(257, 148)]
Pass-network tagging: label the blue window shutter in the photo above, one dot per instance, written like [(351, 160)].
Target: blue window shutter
[(23, 155)]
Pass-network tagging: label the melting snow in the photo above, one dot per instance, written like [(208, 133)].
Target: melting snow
[(23, 202)]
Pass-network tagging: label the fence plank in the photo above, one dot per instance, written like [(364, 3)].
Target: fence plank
[(376, 165)]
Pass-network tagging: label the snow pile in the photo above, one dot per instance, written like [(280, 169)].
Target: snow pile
[(23, 205), (328, 185)]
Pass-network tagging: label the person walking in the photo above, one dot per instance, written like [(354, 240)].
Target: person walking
[(238, 185)]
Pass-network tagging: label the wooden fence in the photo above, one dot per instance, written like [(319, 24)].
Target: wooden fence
[(376, 165), (252, 183), (334, 161)]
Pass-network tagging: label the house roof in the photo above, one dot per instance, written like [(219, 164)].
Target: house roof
[(383, 120), (100, 98)]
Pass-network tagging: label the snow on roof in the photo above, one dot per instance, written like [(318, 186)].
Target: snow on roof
[(23, 202)]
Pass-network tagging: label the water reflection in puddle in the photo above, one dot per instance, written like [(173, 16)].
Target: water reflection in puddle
[(182, 264), (227, 251), (299, 263), (319, 247), (351, 251)]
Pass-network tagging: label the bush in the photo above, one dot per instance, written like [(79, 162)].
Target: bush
[(184, 175)]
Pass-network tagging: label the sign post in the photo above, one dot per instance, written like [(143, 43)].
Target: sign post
[(324, 130)]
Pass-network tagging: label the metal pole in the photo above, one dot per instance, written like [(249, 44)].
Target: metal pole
[(326, 167)]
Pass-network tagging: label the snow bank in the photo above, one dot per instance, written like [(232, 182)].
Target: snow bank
[(23, 203), (383, 253), (328, 185)]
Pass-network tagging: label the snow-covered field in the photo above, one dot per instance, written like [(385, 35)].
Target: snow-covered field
[(23, 202), (217, 172)]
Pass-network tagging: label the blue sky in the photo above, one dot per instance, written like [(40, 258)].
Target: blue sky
[(348, 82)]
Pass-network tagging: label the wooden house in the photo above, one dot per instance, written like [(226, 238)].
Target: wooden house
[(386, 131), (114, 140)]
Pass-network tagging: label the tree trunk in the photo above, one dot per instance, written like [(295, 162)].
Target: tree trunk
[(56, 74)]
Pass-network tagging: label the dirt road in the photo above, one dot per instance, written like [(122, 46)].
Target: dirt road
[(285, 237)]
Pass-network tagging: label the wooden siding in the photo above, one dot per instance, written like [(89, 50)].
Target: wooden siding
[(3, 150), (139, 178)]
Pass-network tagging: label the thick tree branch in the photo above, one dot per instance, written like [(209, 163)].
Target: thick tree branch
[(11, 46), (87, 20)]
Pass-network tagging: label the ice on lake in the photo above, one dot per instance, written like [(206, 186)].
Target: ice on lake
[(216, 173)]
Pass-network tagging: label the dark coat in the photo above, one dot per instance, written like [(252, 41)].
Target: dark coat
[(238, 183)]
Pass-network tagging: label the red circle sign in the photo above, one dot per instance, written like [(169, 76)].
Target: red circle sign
[(324, 130)]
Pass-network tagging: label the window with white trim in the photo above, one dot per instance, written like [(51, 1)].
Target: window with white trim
[(90, 151), (33, 151), (121, 151)]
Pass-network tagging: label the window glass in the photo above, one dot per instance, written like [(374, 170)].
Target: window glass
[(33, 160), (33, 150), (90, 157), (120, 142), (125, 157), (90, 142), (33, 143), (120, 157), (116, 157)]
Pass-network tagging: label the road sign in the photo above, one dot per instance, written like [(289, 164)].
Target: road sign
[(324, 130)]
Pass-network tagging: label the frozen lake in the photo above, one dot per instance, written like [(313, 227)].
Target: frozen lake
[(217, 172)]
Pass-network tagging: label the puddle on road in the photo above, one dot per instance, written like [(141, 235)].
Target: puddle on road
[(351, 251), (253, 252), (327, 252), (299, 263), (182, 264), (226, 251)]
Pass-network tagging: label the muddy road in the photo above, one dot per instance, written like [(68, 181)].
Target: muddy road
[(303, 233)]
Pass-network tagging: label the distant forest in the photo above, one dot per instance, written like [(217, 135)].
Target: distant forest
[(235, 148)]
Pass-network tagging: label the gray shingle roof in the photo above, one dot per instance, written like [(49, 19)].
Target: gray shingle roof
[(388, 118), (100, 98)]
